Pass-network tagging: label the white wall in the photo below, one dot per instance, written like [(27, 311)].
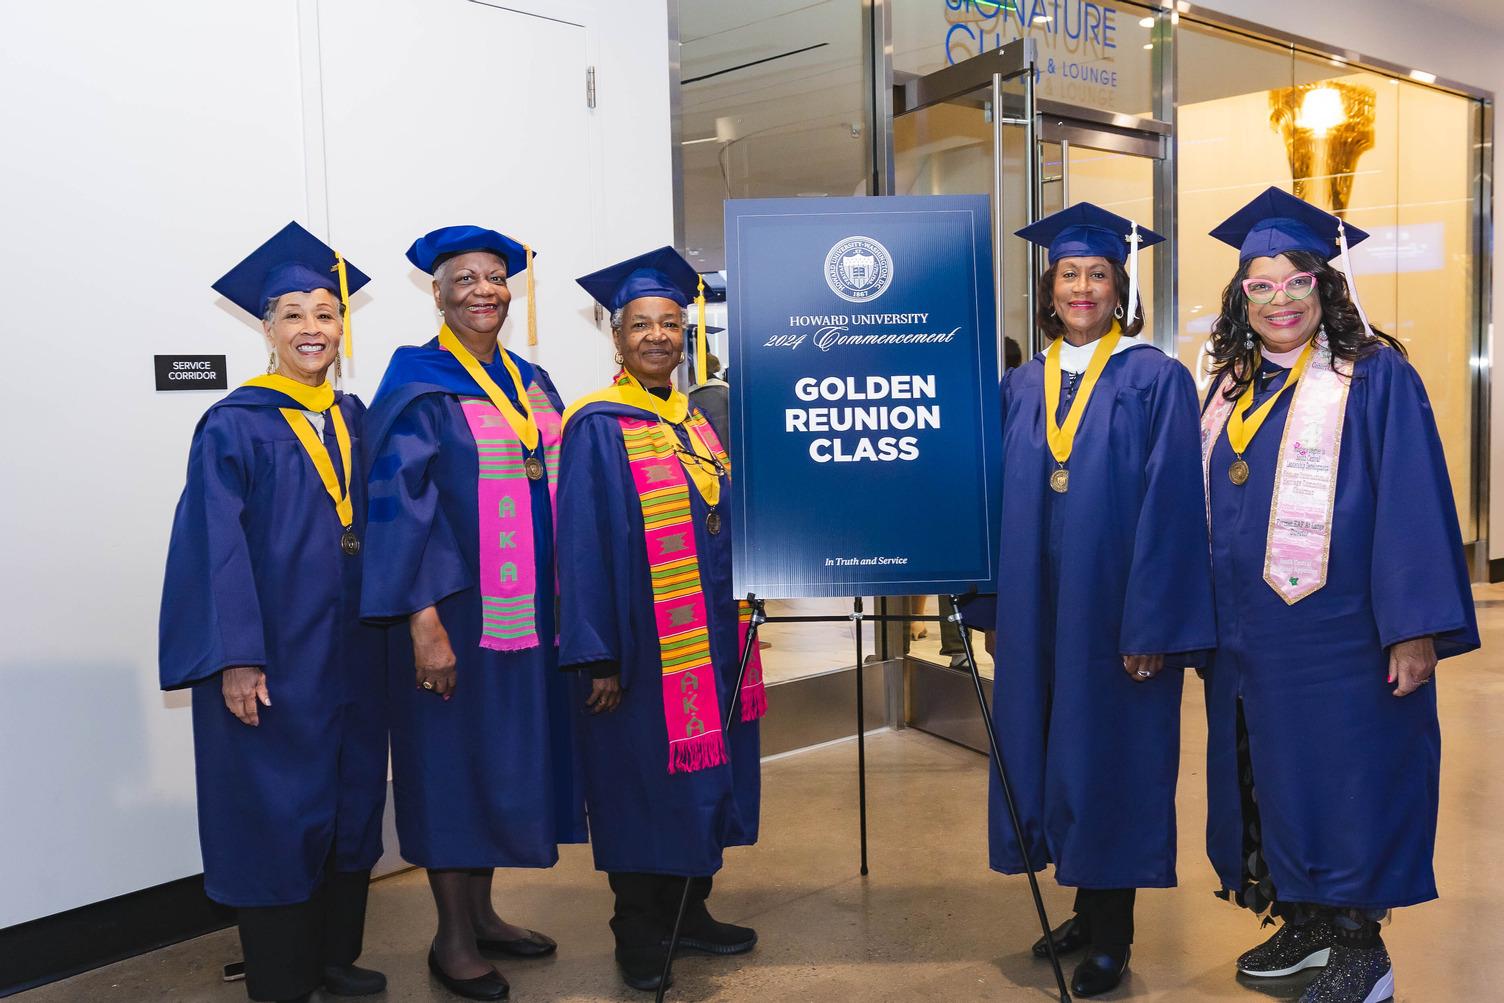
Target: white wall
[(148, 147), (1424, 37)]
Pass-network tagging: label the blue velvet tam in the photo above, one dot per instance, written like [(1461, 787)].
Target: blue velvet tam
[(292, 261), (709, 329), (430, 250), (1276, 222), (1086, 231), (663, 272)]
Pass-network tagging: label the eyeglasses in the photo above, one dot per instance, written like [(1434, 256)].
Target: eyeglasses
[(1295, 287), (703, 462)]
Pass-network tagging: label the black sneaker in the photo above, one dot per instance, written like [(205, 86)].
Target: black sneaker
[(710, 936), (1353, 975), (1293, 948)]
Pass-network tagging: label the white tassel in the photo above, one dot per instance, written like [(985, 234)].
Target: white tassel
[(1352, 281), (1133, 241)]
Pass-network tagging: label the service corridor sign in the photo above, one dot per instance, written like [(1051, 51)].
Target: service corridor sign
[(864, 395)]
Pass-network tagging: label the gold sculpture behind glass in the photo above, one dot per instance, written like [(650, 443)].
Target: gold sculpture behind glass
[(1330, 117)]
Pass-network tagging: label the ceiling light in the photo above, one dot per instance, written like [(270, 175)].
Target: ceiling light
[(1148, 45), (692, 142), (1423, 76), (1146, 22), (1321, 110)]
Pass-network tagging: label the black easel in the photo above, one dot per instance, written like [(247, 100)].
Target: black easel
[(759, 617)]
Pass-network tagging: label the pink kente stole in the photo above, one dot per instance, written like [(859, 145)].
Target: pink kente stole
[(1305, 480), (508, 560), (691, 699)]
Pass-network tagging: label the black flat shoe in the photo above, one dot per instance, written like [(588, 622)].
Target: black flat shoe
[(490, 986), (1099, 972), (1069, 937), (534, 945), (349, 980)]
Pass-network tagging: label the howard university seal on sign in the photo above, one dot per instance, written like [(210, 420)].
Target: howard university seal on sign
[(858, 269)]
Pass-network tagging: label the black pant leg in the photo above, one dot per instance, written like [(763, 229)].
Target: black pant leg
[(345, 897), (638, 920), (1109, 915), (282, 944)]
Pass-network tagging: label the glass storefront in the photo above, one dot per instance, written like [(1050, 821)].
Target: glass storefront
[(777, 100)]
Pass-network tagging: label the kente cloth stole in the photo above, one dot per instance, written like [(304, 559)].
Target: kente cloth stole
[(1305, 480), (754, 697), (691, 700), (508, 558)]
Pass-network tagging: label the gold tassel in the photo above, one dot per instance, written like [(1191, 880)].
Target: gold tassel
[(700, 334), (532, 299), (344, 301)]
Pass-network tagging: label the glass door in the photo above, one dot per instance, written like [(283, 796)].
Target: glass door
[(969, 129), (976, 128)]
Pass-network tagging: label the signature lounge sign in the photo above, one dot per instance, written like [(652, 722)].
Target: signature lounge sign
[(1078, 43)]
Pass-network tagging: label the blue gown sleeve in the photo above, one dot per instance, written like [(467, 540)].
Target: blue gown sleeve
[(414, 558), (1168, 608), (595, 615), (1419, 574), (211, 614)]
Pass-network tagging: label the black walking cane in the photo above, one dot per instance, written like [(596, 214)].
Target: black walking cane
[(1002, 778), (758, 617)]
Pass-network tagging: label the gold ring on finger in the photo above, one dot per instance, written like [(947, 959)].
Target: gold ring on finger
[(428, 684)]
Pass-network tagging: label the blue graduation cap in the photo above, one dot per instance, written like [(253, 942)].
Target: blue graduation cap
[(1085, 230), (709, 329), (663, 272), (430, 250), (1276, 222), (292, 261)]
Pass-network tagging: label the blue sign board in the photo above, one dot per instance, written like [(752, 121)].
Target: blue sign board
[(864, 395)]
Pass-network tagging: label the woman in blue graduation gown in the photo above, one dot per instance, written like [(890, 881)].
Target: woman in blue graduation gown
[(1340, 581), (464, 437), (259, 621), (663, 800), (1104, 594)]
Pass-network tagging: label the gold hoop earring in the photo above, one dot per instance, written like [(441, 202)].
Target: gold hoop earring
[(271, 362)]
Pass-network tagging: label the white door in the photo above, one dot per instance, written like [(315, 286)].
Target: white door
[(443, 112)]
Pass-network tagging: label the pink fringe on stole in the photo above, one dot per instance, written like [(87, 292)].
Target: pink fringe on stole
[(754, 701), (689, 754)]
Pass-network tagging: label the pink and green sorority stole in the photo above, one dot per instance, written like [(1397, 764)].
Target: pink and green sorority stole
[(508, 559), (691, 698)]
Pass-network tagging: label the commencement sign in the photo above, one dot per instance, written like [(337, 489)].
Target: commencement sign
[(864, 395)]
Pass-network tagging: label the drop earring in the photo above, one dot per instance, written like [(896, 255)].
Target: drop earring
[(619, 359), (1248, 339), (339, 370), (271, 362)]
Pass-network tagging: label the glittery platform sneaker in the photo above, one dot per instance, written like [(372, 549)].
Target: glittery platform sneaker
[(1353, 975), (1293, 948)]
